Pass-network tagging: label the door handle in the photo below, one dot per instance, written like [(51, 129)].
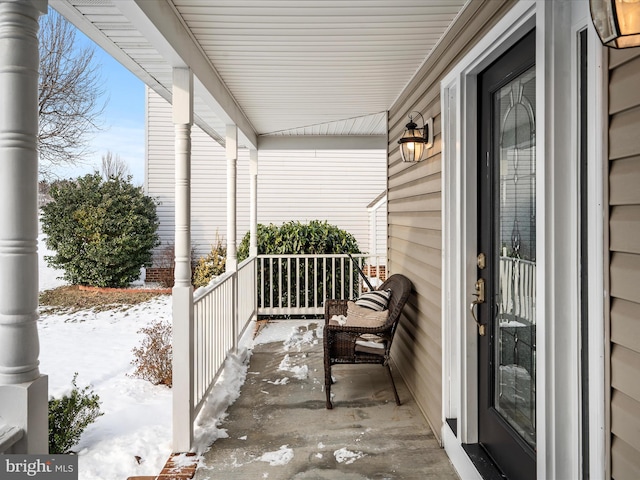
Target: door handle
[(479, 299)]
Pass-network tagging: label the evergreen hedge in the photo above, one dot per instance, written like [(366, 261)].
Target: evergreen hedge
[(315, 237), (306, 280)]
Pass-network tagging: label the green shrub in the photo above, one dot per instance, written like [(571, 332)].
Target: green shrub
[(293, 237), (69, 416), (154, 357), (210, 266), (102, 231), (316, 237)]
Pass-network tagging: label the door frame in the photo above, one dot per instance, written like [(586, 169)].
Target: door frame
[(558, 380)]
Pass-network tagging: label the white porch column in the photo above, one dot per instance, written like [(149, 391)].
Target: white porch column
[(182, 289), (253, 208), (232, 174), (23, 391)]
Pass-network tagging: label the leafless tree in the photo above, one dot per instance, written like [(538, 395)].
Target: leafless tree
[(70, 95), (114, 167)]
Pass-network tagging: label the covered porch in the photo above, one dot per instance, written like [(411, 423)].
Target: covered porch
[(319, 74), (279, 427), (161, 43)]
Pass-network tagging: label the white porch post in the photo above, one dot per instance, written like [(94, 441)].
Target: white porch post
[(23, 391), (231, 265), (183, 356), (232, 174), (253, 208)]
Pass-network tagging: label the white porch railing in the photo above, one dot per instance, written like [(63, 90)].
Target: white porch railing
[(221, 312), (299, 284), (9, 436), (283, 285)]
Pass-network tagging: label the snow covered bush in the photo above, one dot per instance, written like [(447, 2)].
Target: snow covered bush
[(153, 358), (70, 415), (102, 231), (211, 265)]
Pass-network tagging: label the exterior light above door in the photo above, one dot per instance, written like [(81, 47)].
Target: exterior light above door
[(617, 22), (415, 140)]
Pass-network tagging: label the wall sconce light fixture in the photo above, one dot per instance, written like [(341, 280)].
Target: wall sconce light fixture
[(415, 140), (617, 22)]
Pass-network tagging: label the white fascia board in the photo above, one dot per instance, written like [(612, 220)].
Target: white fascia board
[(81, 23), (323, 142), (160, 25), (65, 8)]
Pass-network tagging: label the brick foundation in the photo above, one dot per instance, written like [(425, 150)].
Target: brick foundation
[(160, 275), (173, 472)]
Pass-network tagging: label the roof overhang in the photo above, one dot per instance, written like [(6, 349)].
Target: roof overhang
[(313, 74)]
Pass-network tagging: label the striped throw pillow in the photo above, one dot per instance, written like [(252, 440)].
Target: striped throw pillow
[(377, 300)]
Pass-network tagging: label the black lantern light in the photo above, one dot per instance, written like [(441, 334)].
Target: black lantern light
[(617, 22), (415, 140)]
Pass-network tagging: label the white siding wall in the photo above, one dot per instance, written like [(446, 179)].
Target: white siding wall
[(377, 227), (331, 185), (208, 179)]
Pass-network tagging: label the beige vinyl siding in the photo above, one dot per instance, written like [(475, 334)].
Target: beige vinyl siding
[(415, 213), (332, 185), (624, 261)]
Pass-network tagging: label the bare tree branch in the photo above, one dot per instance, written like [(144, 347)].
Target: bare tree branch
[(114, 167), (70, 91)]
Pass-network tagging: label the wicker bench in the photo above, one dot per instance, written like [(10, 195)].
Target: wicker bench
[(343, 343)]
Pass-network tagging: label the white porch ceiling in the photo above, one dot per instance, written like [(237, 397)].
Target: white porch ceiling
[(285, 68)]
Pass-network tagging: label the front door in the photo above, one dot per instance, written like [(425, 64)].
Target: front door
[(507, 261)]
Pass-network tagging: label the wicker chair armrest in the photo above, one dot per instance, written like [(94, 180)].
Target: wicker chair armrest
[(334, 307)]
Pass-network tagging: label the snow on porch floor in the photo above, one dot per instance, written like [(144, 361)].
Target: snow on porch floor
[(279, 428)]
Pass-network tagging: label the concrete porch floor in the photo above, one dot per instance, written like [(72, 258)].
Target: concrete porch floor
[(279, 429)]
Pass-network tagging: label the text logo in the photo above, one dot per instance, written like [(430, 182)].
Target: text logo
[(46, 467)]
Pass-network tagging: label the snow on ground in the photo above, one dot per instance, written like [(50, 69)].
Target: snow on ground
[(278, 457), (97, 345), (133, 437)]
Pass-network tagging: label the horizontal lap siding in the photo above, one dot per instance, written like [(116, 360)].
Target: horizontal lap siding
[(336, 186), (415, 213), (332, 185), (624, 261), (208, 182)]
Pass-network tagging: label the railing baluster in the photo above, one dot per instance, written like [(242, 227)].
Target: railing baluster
[(333, 277), (342, 278), (270, 285), (289, 275), (298, 282), (306, 283)]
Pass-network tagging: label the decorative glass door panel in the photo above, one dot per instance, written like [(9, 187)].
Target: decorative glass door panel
[(515, 256), (507, 272)]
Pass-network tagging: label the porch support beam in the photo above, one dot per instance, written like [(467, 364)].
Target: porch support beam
[(23, 390), (253, 208), (183, 331), (232, 177), (323, 142)]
